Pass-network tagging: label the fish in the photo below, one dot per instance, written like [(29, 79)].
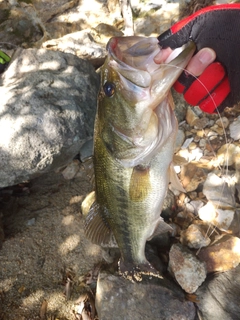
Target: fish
[(134, 136)]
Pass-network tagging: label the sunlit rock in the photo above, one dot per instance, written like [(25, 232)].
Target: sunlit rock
[(81, 44), (228, 155), (223, 255), (48, 104)]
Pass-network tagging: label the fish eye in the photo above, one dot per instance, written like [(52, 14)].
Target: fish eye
[(109, 89)]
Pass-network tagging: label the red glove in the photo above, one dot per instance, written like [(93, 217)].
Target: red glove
[(216, 27)]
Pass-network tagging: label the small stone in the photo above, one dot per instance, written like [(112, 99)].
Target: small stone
[(202, 143), (191, 176), (228, 155), (31, 222), (192, 146), (235, 129), (201, 123), (200, 133), (191, 117), (186, 143), (196, 139), (194, 237), (212, 135), (71, 170), (223, 122), (184, 153), (186, 268), (222, 255), (184, 219), (217, 129)]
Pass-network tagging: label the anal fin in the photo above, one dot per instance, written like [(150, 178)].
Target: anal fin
[(161, 227)]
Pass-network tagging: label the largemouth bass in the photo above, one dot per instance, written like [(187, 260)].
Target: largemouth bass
[(134, 136)]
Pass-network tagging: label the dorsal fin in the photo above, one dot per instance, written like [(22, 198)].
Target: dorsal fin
[(96, 229)]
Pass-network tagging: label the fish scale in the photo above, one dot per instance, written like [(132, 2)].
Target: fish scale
[(134, 137)]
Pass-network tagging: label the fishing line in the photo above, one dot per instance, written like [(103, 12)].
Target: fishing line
[(225, 136)]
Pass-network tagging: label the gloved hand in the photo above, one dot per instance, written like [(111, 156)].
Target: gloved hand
[(216, 27)]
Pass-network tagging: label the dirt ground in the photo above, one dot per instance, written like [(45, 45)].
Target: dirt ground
[(45, 250)]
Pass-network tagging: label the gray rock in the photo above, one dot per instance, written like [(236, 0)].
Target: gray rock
[(81, 44), (186, 268), (155, 299), (218, 297), (235, 129), (20, 25), (222, 255), (48, 104)]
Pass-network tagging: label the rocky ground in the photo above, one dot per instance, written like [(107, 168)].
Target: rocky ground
[(48, 269)]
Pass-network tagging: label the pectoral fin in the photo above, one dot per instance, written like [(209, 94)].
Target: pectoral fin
[(174, 179), (96, 229), (140, 184)]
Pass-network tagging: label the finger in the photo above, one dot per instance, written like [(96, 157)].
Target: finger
[(162, 55), (200, 61)]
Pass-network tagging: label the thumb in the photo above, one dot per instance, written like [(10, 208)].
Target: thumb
[(200, 61)]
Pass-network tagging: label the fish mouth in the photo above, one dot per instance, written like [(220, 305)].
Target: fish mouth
[(133, 58), (145, 85)]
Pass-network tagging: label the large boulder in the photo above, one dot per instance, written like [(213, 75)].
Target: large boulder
[(218, 297), (47, 111), (156, 299)]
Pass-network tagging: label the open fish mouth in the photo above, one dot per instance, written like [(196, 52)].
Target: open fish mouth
[(145, 84), (133, 58)]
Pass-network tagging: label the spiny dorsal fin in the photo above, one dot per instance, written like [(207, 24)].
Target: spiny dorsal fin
[(96, 229)]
